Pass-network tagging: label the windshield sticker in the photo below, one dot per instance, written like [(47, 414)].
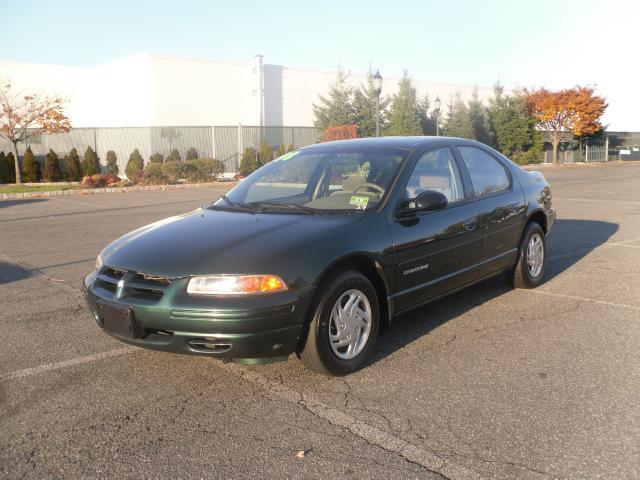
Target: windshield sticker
[(287, 156), (359, 202)]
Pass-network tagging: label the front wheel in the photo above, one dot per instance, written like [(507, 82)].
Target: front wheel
[(532, 258), (344, 326)]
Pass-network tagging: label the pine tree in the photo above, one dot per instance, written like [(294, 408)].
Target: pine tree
[(479, 118), (458, 123), (112, 163), (5, 169), (174, 156), (514, 129), (31, 171), (52, 171), (364, 109), (337, 107), (266, 154), (427, 120), (403, 115), (248, 162), (12, 171), (156, 158), (91, 163), (74, 170), (192, 154), (135, 164)]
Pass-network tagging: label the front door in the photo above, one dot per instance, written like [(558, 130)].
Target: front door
[(435, 251)]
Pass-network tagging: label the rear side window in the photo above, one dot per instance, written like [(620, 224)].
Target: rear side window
[(487, 174), (436, 170)]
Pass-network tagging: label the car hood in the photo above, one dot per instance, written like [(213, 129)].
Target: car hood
[(208, 241)]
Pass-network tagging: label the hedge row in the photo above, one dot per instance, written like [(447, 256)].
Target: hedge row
[(69, 169), (253, 159), (72, 169)]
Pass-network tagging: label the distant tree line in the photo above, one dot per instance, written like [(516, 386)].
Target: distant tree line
[(512, 123)]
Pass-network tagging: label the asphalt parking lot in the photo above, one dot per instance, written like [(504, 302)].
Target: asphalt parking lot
[(489, 383)]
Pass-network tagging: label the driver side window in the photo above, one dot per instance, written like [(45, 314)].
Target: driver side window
[(436, 170)]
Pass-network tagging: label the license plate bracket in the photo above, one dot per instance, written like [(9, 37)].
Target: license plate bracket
[(118, 319)]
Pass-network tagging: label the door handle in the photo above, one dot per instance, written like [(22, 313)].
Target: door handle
[(469, 225)]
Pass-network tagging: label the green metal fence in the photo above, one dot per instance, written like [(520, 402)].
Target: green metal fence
[(225, 143)]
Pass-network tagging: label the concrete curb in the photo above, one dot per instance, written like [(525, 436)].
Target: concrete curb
[(93, 191)]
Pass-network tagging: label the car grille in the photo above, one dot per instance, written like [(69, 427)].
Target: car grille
[(133, 285)]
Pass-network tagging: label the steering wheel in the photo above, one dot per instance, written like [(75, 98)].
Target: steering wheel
[(370, 186)]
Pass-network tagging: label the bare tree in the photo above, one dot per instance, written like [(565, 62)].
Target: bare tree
[(23, 116)]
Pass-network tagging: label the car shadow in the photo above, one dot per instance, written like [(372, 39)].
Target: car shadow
[(570, 241), (13, 203), (10, 272)]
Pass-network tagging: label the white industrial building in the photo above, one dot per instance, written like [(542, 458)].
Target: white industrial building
[(147, 90), (157, 104)]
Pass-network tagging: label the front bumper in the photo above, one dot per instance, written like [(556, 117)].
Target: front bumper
[(249, 328)]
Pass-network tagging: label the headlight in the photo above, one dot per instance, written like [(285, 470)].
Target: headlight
[(99, 262), (235, 284)]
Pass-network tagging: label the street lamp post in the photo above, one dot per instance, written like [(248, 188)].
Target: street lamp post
[(437, 104), (377, 89)]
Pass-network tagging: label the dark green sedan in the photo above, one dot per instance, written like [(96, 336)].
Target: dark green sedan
[(317, 251)]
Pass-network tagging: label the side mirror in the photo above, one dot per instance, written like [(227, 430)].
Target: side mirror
[(427, 201)]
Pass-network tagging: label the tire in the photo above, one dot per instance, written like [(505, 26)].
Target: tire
[(523, 274), (323, 351)]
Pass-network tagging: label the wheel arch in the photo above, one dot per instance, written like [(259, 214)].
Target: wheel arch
[(539, 217), (368, 265)]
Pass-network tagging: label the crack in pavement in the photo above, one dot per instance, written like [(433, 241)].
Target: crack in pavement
[(505, 462), (375, 436)]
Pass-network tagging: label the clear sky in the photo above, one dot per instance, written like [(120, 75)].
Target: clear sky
[(552, 43)]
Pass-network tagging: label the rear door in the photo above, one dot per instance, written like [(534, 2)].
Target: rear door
[(435, 250), (500, 204)]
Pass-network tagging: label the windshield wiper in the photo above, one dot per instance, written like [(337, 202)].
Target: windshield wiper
[(288, 206), (240, 206)]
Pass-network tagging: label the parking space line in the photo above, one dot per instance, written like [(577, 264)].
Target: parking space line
[(373, 435), (585, 299), (78, 202), (594, 247), (28, 372)]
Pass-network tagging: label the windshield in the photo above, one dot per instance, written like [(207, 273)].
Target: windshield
[(321, 180)]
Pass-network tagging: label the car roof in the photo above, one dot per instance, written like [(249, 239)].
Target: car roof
[(388, 142)]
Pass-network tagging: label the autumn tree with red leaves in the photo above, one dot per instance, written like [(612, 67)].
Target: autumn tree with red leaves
[(574, 111), (23, 116), (340, 132)]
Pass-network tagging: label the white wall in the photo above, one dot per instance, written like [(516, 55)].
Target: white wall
[(198, 93), (157, 91)]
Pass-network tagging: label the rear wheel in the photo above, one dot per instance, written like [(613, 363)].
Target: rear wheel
[(344, 326), (532, 258)]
